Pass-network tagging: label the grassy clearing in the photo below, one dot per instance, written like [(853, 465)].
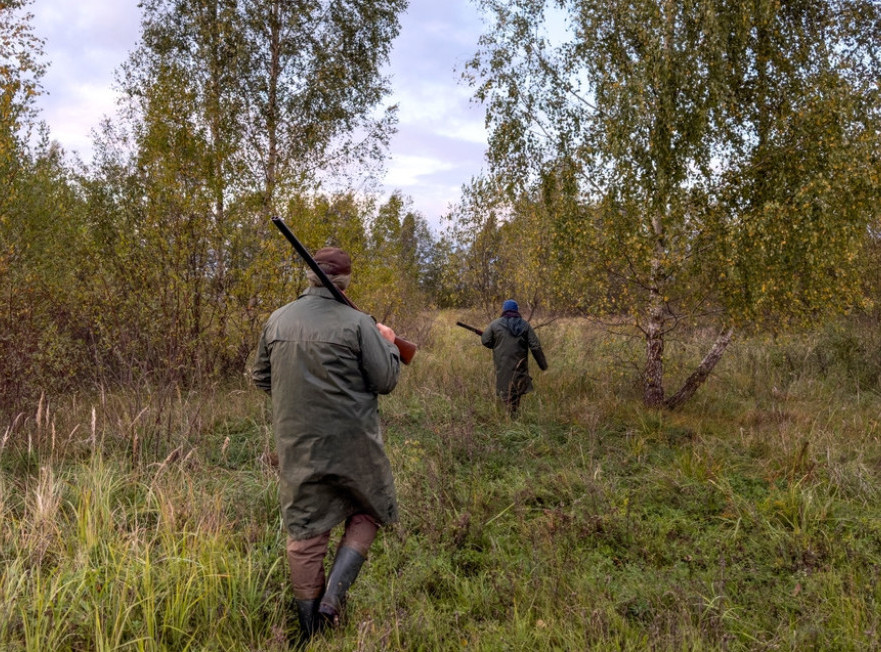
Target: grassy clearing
[(751, 519)]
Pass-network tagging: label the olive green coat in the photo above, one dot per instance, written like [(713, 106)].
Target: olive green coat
[(511, 355), (324, 364)]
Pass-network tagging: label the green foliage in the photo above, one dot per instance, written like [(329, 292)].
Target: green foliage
[(473, 278), (43, 323), (399, 253), (21, 68), (236, 109), (284, 93), (534, 249), (27, 189)]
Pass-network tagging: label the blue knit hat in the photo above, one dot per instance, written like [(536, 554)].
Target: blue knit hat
[(510, 304)]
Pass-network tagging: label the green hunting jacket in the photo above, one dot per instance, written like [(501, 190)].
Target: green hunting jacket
[(511, 339), (324, 364)]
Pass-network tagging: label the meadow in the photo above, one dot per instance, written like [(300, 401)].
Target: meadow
[(145, 518)]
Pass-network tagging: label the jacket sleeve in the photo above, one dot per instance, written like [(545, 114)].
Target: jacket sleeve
[(535, 347), (380, 359), (488, 339), (261, 373)]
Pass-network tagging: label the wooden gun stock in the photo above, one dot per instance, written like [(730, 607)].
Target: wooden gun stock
[(470, 328), (406, 348)]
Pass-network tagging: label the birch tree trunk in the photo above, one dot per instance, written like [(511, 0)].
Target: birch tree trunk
[(700, 375), (653, 375)]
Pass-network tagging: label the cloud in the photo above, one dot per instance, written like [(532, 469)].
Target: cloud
[(431, 169), (88, 24), (73, 120), (85, 41), (409, 170), (441, 137)]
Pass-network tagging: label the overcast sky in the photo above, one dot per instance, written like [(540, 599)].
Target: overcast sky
[(440, 142)]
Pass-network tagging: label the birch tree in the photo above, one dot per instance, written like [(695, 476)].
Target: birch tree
[(232, 110), (21, 68)]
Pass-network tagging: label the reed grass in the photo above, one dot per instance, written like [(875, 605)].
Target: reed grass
[(146, 518)]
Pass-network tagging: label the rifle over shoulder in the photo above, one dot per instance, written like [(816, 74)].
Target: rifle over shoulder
[(406, 348)]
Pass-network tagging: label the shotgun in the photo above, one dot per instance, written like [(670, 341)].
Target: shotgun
[(470, 328), (405, 348)]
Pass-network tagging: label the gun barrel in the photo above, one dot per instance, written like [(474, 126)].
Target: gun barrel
[(470, 328)]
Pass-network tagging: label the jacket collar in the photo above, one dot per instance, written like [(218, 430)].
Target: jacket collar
[(318, 292)]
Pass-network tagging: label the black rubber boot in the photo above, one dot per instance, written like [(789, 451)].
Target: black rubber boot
[(346, 567), (310, 621)]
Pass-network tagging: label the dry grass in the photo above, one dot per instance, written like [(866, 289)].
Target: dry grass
[(147, 518)]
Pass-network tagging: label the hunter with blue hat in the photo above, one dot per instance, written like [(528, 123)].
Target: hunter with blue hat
[(511, 338)]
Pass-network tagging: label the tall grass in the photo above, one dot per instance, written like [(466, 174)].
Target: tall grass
[(146, 518)]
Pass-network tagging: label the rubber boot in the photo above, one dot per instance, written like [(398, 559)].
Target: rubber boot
[(310, 621), (346, 567)]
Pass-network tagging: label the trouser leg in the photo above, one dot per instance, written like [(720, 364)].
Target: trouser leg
[(306, 563), (513, 404), (359, 534)]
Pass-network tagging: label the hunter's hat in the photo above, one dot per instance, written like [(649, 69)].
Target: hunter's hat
[(333, 261), (510, 304)]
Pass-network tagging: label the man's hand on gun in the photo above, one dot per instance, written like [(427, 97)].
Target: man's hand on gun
[(386, 332)]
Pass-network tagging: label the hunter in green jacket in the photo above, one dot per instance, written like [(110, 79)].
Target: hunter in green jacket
[(511, 338), (324, 363)]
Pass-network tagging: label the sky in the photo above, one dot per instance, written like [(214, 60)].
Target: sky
[(440, 142)]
